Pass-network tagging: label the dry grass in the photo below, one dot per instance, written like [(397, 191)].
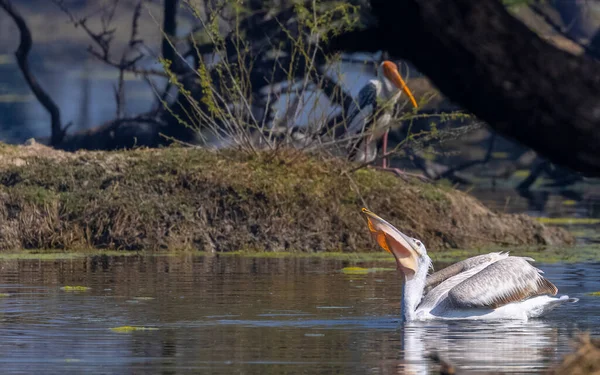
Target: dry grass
[(178, 198)]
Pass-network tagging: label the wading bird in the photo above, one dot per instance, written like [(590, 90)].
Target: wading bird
[(370, 113), (489, 286)]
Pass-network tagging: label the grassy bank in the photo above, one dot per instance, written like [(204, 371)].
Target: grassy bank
[(179, 198)]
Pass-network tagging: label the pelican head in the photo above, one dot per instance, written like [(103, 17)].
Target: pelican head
[(410, 253), (389, 71)]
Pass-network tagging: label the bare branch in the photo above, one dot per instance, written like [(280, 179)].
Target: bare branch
[(104, 38), (22, 55)]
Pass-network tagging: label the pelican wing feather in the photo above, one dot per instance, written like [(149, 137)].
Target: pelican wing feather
[(440, 291), (444, 274), (508, 280)]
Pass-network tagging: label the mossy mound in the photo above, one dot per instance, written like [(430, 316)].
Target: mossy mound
[(180, 198)]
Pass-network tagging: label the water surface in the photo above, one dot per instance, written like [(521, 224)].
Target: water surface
[(234, 315)]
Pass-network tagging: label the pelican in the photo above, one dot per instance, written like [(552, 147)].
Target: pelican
[(491, 286), (371, 112)]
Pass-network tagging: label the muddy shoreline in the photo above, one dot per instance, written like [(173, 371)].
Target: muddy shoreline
[(183, 198)]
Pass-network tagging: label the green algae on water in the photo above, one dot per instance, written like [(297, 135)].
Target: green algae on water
[(75, 288), (129, 329), (355, 270), (542, 254), (567, 220), (50, 255)]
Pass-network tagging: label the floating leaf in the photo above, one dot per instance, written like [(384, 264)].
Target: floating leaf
[(75, 288), (2, 295), (128, 329), (569, 202), (143, 298), (595, 294), (355, 270)]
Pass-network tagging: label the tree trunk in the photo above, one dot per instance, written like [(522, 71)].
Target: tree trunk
[(484, 59), (170, 30)]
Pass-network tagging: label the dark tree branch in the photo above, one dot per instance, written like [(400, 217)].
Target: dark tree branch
[(170, 31), (484, 59), (22, 55), (556, 27)]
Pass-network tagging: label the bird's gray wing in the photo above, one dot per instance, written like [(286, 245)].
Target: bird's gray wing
[(362, 109), (440, 283), (508, 280), (438, 277)]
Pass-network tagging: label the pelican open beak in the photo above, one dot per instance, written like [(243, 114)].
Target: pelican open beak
[(391, 72), (402, 247)]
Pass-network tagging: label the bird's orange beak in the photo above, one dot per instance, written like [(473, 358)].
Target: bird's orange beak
[(391, 72), (395, 242)]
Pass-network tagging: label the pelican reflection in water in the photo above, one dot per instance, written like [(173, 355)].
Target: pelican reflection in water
[(507, 346)]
